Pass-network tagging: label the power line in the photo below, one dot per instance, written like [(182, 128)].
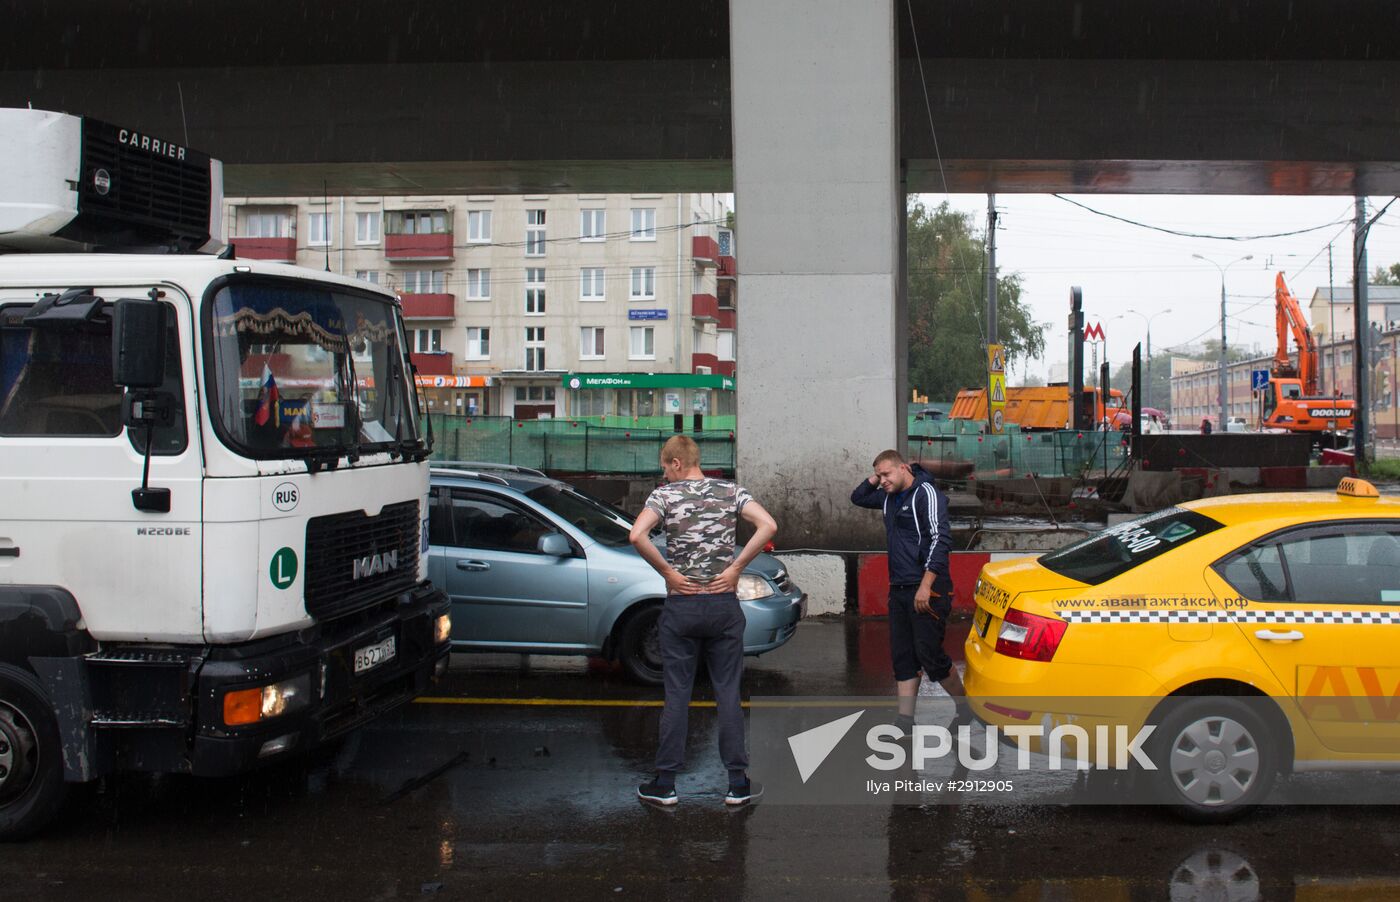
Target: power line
[(1180, 234)]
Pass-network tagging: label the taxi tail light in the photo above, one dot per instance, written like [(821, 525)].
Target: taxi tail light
[(1029, 636)]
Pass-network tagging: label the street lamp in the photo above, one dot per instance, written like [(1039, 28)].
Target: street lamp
[(1224, 418), (1149, 320)]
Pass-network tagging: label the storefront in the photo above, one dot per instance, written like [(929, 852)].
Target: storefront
[(651, 399), (461, 395)]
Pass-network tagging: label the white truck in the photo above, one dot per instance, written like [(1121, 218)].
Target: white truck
[(213, 482)]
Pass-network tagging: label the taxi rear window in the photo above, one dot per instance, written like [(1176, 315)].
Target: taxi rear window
[(1120, 548)]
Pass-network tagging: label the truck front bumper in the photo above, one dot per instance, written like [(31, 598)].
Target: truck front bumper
[(340, 698)]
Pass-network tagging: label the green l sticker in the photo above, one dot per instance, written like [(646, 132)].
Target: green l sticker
[(283, 569)]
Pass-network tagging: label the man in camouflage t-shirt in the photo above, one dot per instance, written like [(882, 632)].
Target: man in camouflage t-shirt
[(701, 615)]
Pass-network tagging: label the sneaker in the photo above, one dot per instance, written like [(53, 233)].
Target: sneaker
[(743, 794), (657, 795)]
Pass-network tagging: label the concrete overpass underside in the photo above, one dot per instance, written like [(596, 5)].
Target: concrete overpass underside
[(816, 113), (1178, 96)]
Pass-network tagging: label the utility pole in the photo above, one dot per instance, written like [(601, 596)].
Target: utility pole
[(1331, 320), (992, 269), (1224, 415), (1359, 315)]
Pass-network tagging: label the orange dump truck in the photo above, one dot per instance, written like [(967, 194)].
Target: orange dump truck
[(1033, 407)]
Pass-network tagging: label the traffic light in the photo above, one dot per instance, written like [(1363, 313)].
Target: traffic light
[(1383, 388), (1373, 345)]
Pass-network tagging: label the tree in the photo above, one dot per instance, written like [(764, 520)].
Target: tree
[(947, 284), (1384, 276)]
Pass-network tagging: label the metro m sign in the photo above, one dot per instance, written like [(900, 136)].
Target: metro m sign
[(1094, 332)]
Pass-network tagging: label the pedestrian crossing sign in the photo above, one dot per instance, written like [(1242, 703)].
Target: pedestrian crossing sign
[(998, 385), (996, 359)]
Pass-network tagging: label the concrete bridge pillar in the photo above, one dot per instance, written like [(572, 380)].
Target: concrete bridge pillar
[(818, 195)]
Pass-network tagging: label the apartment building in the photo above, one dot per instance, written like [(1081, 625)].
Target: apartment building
[(534, 305)]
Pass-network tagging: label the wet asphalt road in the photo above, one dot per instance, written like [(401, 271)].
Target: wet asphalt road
[(480, 793)]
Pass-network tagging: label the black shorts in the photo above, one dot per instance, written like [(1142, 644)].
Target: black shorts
[(916, 640)]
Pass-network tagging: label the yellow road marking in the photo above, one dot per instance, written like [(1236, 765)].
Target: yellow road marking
[(633, 703)]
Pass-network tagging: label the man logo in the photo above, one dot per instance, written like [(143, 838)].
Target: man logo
[(811, 747), (375, 564)]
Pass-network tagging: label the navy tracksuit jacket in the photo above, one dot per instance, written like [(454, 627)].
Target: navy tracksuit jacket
[(916, 523)]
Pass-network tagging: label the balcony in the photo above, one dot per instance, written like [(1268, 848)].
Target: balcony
[(723, 368), (728, 318), (704, 249), (698, 360), (429, 306), (278, 249), (728, 268), (434, 246), (704, 307), (435, 363)]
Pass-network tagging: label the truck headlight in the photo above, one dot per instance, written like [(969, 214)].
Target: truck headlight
[(245, 706), (753, 587), (443, 630)]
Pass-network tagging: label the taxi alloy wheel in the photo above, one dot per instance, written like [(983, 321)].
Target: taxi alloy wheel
[(31, 773), (1216, 759)]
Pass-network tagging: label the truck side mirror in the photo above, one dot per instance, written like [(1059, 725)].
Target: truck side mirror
[(138, 343)]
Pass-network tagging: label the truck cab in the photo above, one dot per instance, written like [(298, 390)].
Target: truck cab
[(213, 511)]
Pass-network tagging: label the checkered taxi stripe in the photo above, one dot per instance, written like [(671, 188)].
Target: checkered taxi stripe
[(1218, 616)]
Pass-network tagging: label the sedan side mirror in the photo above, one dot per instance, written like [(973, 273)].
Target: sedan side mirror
[(555, 544)]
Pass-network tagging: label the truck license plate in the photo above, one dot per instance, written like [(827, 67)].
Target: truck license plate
[(371, 656)]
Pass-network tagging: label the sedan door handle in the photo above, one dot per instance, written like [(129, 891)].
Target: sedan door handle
[(473, 565), (1272, 636)]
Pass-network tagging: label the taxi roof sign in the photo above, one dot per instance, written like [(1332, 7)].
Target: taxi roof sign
[(1357, 488)]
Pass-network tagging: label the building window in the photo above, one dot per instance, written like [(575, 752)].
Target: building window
[(534, 291), (478, 284), (479, 226), (725, 296), (318, 229), (643, 224), (590, 403), (591, 343), (534, 348), (591, 283), (259, 223), (426, 341), (418, 222), (725, 344), (643, 345), (424, 281), (367, 226), (478, 343), (368, 275), (534, 394), (534, 233), (643, 283), (592, 225)]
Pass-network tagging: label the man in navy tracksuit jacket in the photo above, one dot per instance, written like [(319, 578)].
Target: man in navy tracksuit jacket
[(921, 587)]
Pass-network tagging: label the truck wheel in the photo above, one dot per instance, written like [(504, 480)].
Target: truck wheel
[(639, 646), (31, 769), (1216, 758)]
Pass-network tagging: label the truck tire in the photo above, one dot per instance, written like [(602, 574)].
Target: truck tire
[(32, 789), (639, 645)]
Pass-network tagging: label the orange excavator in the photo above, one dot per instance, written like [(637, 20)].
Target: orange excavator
[(1292, 401)]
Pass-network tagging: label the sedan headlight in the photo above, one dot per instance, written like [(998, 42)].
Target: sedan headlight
[(752, 587)]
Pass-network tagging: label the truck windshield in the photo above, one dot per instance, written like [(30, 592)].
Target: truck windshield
[(301, 370)]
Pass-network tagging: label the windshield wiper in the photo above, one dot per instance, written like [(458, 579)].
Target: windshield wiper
[(353, 395)]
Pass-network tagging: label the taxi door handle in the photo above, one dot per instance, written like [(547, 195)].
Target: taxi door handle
[(473, 565), (1270, 635)]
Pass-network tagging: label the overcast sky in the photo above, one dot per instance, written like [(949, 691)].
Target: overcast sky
[(1054, 245)]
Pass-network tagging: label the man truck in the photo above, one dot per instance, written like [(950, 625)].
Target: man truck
[(213, 481)]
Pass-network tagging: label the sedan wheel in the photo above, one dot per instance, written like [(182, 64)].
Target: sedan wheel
[(1216, 759), (639, 646)]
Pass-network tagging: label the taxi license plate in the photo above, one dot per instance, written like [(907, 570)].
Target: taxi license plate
[(984, 620), (371, 656)]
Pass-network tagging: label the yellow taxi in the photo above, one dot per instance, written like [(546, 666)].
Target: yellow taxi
[(1255, 633)]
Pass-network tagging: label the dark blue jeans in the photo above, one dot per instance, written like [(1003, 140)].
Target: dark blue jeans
[(693, 626)]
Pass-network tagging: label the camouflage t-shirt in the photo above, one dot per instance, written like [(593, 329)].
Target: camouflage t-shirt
[(699, 516)]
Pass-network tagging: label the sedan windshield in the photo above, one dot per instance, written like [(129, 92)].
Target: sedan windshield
[(593, 517), (301, 370), (1120, 548)]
